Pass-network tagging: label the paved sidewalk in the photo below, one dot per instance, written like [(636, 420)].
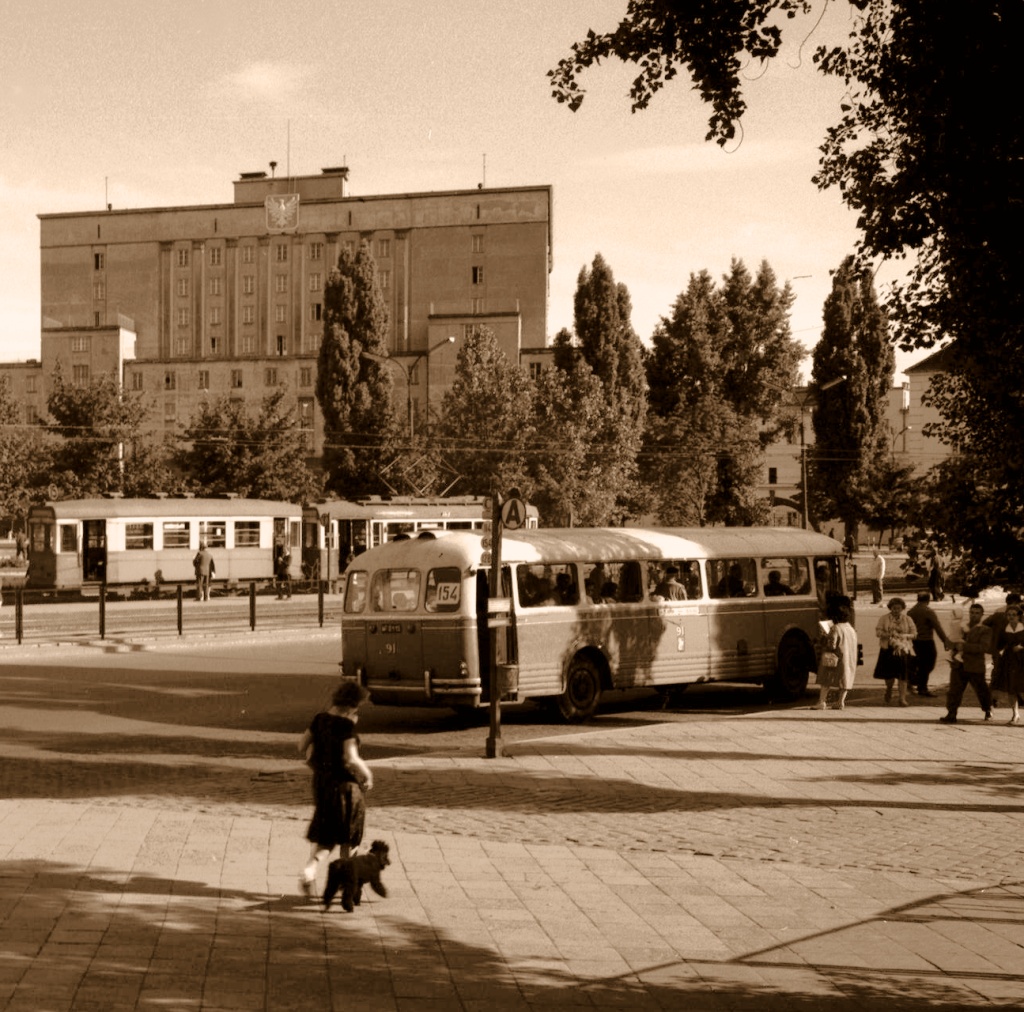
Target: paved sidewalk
[(786, 860)]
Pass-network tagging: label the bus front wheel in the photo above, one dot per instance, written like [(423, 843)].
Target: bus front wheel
[(796, 661), (582, 690)]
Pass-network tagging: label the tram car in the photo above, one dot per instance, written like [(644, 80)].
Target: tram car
[(78, 544), (335, 531)]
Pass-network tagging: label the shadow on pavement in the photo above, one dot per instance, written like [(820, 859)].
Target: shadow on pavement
[(85, 938)]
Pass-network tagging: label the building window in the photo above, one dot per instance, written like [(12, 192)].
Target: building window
[(136, 381), (183, 257), (477, 306), (204, 379), (170, 380), (280, 283), (536, 368), (183, 346), (305, 412), (138, 537), (478, 275), (385, 279), (95, 319), (281, 253), (215, 286), (183, 317), (315, 281), (170, 411), (31, 384), (248, 314), (270, 377), (80, 375), (316, 250), (478, 244), (306, 376), (773, 475), (80, 342), (280, 314), (213, 345), (248, 284), (215, 255), (32, 416), (214, 315), (383, 248), (99, 290), (316, 311), (182, 287), (247, 254), (236, 379), (281, 344), (98, 261), (248, 344)]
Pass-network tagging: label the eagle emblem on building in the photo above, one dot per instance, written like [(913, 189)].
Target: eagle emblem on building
[(282, 212)]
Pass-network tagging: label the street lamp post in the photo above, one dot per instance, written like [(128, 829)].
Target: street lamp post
[(407, 373)]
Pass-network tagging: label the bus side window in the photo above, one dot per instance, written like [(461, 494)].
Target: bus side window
[(631, 585), (355, 592), (732, 578)]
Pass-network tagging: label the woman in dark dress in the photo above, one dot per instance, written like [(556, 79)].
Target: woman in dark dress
[(340, 777), (1008, 670), (896, 647)]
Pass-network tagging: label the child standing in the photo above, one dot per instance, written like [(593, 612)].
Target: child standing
[(340, 777)]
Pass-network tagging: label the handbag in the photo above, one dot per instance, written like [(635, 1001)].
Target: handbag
[(828, 662)]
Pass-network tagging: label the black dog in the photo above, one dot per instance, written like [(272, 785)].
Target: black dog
[(349, 874)]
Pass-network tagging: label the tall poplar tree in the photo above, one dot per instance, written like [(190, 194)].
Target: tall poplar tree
[(851, 436), (606, 342), (355, 393)]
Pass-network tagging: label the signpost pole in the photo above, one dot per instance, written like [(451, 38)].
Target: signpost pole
[(494, 744)]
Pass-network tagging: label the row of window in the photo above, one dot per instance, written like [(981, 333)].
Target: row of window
[(546, 585), (270, 378), (315, 251)]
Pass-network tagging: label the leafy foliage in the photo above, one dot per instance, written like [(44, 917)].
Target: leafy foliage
[(718, 368), (97, 422), (258, 456), (486, 419), (355, 393), (23, 456)]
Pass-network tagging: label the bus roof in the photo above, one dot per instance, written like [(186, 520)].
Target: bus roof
[(104, 509), (588, 544)]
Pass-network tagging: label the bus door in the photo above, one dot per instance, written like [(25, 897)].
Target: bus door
[(394, 641), (680, 648), (94, 551), (736, 621)]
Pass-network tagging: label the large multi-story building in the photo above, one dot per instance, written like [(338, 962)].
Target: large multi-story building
[(227, 299)]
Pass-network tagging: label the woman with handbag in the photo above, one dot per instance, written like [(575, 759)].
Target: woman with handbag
[(837, 667), (896, 649)]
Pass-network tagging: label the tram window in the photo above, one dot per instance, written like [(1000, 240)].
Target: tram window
[(247, 534), (176, 533), (395, 590), (732, 578), (68, 537), (214, 533), (138, 537), (444, 587)]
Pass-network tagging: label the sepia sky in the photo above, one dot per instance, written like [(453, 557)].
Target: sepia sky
[(147, 104)]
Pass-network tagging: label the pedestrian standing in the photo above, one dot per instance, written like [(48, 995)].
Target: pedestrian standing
[(968, 666), (896, 648), (1008, 671), (926, 627), (205, 569), (340, 777), (841, 643), (877, 576), (936, 578)]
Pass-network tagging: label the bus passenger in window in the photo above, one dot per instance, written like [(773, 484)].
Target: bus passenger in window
[(631, 584), (609, 592), (565, 589), (545, 596), (775, 587), (731, 585), (670, 589)]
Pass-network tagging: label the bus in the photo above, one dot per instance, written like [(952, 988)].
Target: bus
[(337, 530), (81, 544), (588, 610)]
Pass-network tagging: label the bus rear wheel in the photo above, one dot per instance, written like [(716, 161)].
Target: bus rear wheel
[(796, 661), (582, 690)]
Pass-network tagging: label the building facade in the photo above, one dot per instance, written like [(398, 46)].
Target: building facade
[(227, 299)]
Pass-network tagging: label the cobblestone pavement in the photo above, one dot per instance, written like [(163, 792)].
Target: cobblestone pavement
[(785, 860)]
